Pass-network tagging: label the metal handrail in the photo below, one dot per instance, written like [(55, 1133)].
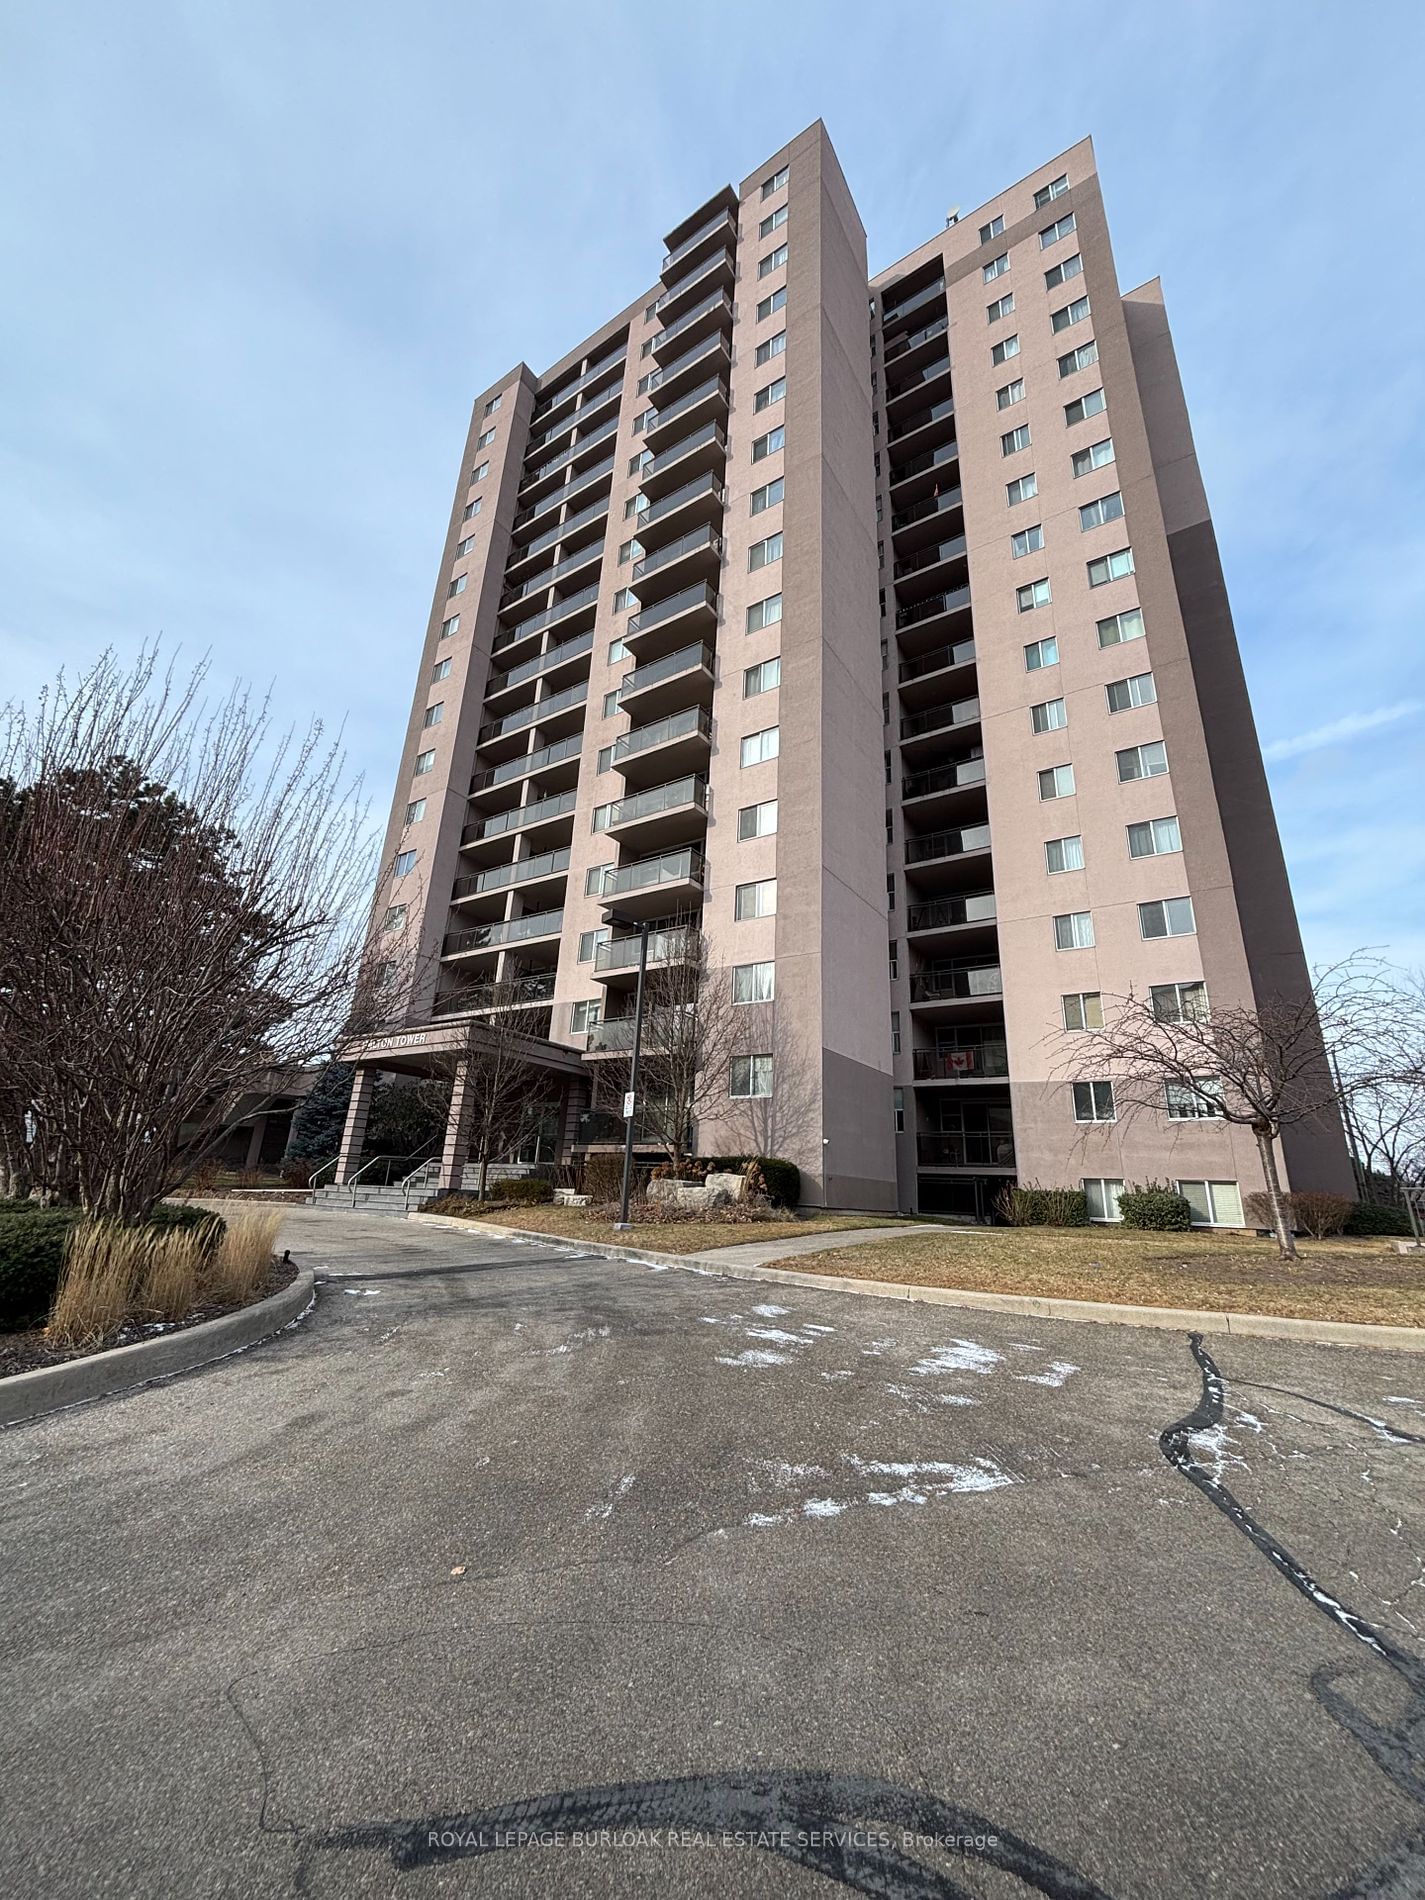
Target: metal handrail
[(314, 1177), (414, 1177)]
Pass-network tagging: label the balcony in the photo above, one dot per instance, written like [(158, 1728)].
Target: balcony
[(702, 450), (925, 559), (931, 720), (974, 1060), (583, 480), (560, 761), (941, 781), (538, 926), (918, 381), (600, 1128), (717, 272), (956, 983), (587, 556), (977, 1150), (925, 464), (571, 454), (713, 313), (922, 510), (473, 999), (951, 913), (934, 847), (923, 422), (721, 228), (665, 684), (680, 743), (933, 607), (914, 340), (705, 401), (548, 866), (547, 405), (664, 815), (926, 673), (691, 611), (616, 962), (550, 617), (699, 500), (570, 525), (652, 887), (557, 660), (522, 818), (700, 550), (703, 359), (557, 709), (893, 315)]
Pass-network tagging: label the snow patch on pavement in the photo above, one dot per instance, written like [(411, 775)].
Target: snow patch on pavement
[(1059, 1370), (964, 1355)]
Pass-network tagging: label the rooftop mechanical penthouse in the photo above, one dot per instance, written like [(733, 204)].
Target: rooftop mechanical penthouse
[(875, 626)]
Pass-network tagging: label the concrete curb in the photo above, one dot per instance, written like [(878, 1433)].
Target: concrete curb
[(1320, 1332), (29, 1394)]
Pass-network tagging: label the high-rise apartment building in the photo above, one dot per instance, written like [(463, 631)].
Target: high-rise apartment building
[(877, 627)]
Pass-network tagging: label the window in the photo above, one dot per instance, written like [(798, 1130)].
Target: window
[(749, 1076), (479, 474), (1097, 514), (1027, 541), (769, 393), (589, 941), (1004, 349), (754, 982), (640, 421), (1074, 931), (1033, 594), (764, 553), (1022, 488), (759, 747), (1120, 628), (1142, 761), (991, 230), (757, 821), (394, 918), (434, 714), (415, 811), (457, 586), (618, 650), (586, 1015), (1046, 194), (1069, 314), (895, 1032), (769, 495), (1082, 1009), (605, 758), (471, 509), (611, 703), (1213, 1203), (637, 463), (1012, 393), (1082, 407), (755, 900), (770, 305), (1081, 358), (996, 267), (1061, 228), (1001, 307), (1199, 1100), (1110, 567), (448, 627), (774, 260), (894, 960), (486, 439), (762, 678), (772, 185), (463, 547), (624, 599), (1167, 917), (493, 404), (769, 444), (1093, 1102), (1015, 440), (601, 817), (441, 670), (1139, 690), (764, 613), (425, 762), (773, 221), (405, 861), (1056, 781), (898, 1103), (1158, 837), (774, 346), (1061, 273), (1050, 715), (629, 551), (1179, 1002), (1085, 461), (1063, 854), (1102, 1197), (1041, 653)]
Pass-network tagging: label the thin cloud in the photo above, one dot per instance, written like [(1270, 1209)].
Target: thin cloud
[(1339, 729)]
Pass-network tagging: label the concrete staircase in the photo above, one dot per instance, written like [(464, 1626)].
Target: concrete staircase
[(398, 1199)]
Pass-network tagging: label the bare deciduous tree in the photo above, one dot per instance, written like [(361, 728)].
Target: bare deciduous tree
[(1380, 1068), (182, 911), (494, 1066)]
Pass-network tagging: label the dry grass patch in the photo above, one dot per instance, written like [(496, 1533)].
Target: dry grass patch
[(114, 1274), (242, 1265), (666, 1236), (1365, 1281)]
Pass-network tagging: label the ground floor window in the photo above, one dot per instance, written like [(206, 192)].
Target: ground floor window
[(1102, 1196), (1213, 1203)]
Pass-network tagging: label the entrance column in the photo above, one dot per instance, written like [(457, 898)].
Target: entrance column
[(254, 1146), (457, 1131), (353, 1135)]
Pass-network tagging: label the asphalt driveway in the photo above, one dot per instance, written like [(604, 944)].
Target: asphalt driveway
[(508, 1572)]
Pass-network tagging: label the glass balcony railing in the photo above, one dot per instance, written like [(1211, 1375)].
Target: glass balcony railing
[(685, 660), (520, 817), (946, 844), (541, 663), (724, 220), (948, 777), (952, 982), (710, 434), (522, 871), (719, 298), (566, 527), (671, 867), (929, 557), (601, 1127), (922, 464), (543, 923), (902, 345), (696, 541), (546, 578), (546, 405), (683, 791), (895, 313), (714, 386), (678, 725), (929, 505), (708, 484), (556, 462), (918, 379), (536, 712), (982, 1150), (560, 495), (621, 953), (921, 420), (718, 263), (680, 603), (707, 348), (932, 606), (527, 762), (959, 712), (948, 912), (960, 654), (475, 1000), (972, 1061)]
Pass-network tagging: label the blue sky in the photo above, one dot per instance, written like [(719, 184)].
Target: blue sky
[(260, 258)]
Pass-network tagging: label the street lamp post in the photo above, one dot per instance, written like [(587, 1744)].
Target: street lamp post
[(630, 1106)]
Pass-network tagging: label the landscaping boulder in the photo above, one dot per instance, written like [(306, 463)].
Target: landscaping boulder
[(721, 1190), (679, 1192)]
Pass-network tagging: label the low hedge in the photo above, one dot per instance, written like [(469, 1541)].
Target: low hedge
[(32, 1243), (783, 1178), (521, 1190), (1035, 1206), (1155, 1208), (1369, 1220)]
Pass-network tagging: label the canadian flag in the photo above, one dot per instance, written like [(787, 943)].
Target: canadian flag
[(961, 1061)]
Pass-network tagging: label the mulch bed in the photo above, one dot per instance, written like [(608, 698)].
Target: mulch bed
[(29, 1352)]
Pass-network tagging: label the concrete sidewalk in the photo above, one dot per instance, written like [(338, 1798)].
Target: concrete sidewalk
[(761, 1253)]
